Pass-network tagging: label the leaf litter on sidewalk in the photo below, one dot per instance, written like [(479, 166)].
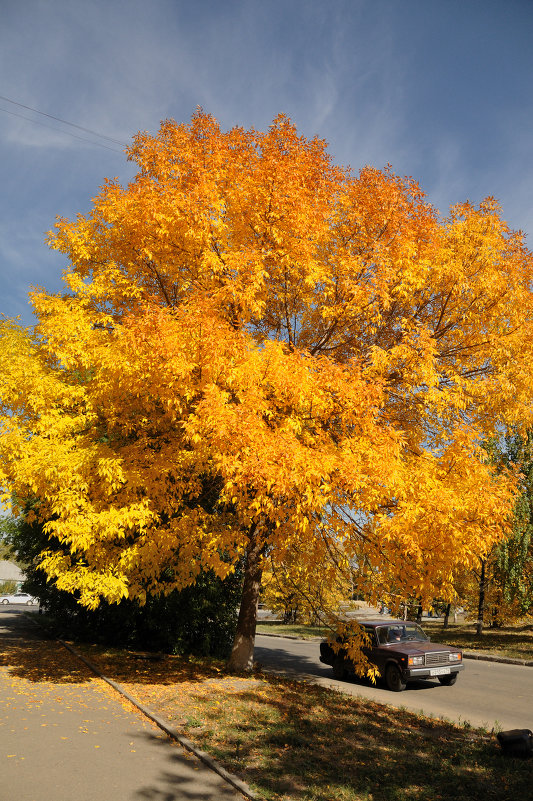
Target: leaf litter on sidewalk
[(40, 681)]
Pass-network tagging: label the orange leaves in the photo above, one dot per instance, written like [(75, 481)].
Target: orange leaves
[(254, 338)]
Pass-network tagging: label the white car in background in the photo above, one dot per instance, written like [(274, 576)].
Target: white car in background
[(18, 598)]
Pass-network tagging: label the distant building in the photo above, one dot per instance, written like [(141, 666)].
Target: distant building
[(10, 572)]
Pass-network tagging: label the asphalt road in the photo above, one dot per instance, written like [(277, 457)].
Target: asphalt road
[(488, 694)]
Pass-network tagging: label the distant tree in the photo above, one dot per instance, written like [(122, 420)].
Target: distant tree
[(7, 552), (499, 586), (512, 558)]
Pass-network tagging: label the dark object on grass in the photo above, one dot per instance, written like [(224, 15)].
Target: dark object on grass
[(516, 742)]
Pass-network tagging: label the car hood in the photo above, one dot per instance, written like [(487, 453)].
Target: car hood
[(417, 646)]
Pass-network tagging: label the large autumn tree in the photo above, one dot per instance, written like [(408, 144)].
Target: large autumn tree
[(260, 354)]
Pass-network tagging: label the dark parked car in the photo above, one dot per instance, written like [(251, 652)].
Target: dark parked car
[(401, 652)]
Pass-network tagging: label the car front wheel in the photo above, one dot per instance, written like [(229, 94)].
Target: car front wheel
[(448, 680), (5, 601), (394, 679), (339, 671)]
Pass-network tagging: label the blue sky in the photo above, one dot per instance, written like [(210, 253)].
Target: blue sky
[(440, 89)]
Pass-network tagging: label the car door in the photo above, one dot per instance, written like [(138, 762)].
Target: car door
[(371, 650), (377, 654)]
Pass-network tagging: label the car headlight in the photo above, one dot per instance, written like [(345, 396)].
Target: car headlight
[(415, 660), (456, 657)]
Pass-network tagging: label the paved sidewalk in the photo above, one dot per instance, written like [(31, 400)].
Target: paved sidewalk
[(65, 735)]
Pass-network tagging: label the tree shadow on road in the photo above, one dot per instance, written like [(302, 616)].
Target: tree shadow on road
[(185, 778), (27, 654)]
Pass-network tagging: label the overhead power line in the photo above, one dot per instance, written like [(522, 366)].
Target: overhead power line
[(64, 122), (58, 130)]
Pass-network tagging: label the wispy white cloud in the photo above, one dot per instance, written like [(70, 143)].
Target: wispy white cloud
[(448, 103)]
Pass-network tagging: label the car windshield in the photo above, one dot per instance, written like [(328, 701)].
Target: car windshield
[(400, 633)]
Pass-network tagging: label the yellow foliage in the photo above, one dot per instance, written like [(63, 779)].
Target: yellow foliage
[(252, 339), (308, 590)]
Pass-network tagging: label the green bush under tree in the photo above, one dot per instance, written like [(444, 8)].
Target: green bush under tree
[(201, 619)]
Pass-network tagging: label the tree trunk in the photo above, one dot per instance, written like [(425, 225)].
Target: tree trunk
[(481, 599), (242, 653), (419, 613), (446, 616)]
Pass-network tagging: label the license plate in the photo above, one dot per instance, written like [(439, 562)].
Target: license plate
[(439, 671)]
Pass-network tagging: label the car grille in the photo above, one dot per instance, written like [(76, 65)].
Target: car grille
[(438, 658)]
